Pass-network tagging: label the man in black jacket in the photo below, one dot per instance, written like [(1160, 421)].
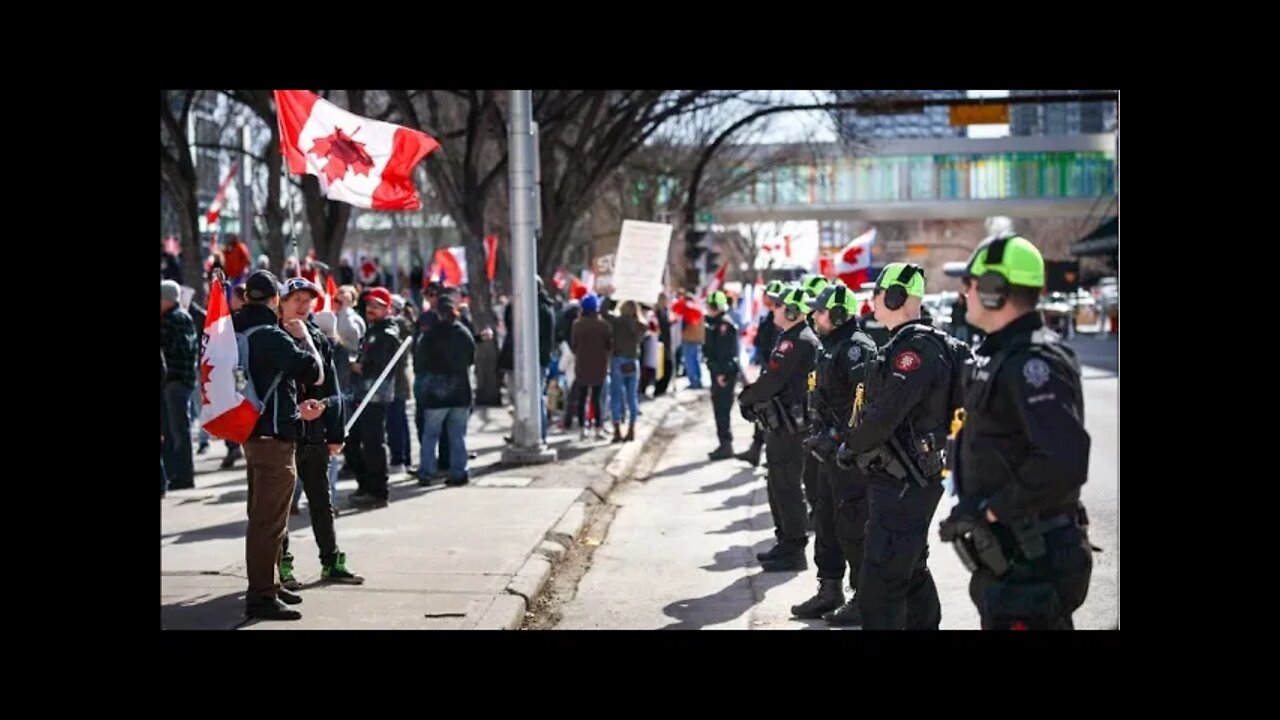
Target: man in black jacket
[(280, 358), (444, 356), (367, 444), (318, 440)]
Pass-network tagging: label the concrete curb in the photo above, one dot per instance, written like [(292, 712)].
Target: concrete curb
[(624, 463), (507, 611)]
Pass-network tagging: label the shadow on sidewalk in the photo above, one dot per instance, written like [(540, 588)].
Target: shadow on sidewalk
[(742, 477), (724, 605), (745, 525), (747, 499), (224, 612)]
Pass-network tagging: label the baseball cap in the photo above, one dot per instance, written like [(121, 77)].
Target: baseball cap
[(380, 295), (170, 290), (261, 285), (295, 284)]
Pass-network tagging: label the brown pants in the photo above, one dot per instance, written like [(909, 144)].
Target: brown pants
[(272, 476)]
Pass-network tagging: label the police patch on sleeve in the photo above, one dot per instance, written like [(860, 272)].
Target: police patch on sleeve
[(907, 361), (855, 353), (1036, 372)]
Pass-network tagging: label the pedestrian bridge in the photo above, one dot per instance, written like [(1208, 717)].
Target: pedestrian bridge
[(935, 179)]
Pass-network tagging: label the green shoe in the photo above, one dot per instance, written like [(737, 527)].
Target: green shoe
[(337, 572), (287, 580)]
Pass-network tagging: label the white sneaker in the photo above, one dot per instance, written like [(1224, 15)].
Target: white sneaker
[(395, 470)]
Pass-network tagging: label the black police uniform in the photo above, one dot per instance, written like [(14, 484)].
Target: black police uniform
[(840, 516), (1024, 454), (766, 338), (809, 470), (720, 348), (366, 450), (784, 383), (907, 404), (312, 453)]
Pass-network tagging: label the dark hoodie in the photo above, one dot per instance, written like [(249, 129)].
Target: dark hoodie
[(272, 351)]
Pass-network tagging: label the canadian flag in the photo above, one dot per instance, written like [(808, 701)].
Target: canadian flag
[(325, 300), (215, 209), (452, 264), (491, 255), (854, 261), (224, 412), (359, 161)]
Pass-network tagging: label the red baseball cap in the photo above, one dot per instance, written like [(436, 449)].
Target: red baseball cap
[(380, 295)]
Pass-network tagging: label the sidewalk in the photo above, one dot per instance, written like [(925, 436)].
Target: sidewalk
[(435, 558)]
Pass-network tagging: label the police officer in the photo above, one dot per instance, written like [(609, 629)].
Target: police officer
[(367, 444), (766, 337), (841, 510), (898, 441), (813, 286), (778, 399), (720, 349), (1023, 452)]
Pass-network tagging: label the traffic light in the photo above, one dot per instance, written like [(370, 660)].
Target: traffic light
[(696, 242), (713, 260)]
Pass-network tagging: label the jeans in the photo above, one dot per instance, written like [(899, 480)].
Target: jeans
[(179, 459), (398, 433), (693, 364), (453, 422), (195, 414), (624, 384)]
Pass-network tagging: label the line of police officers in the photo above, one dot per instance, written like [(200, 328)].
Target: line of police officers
[(867, 433)]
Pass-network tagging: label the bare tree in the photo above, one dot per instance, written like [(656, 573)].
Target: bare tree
[(178, 180)]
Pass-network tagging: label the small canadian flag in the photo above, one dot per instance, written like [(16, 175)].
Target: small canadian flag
[(359, 161)]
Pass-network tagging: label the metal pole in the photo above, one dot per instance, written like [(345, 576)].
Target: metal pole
[(246, 188), (527, 446)]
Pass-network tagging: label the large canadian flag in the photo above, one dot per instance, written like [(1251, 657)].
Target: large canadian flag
[(224, 412), (363, 162), (853, 263)]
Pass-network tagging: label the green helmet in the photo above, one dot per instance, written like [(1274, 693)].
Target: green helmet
[(831, 298), (796, 297), (718, 300), (1012, 257), (890, 274), (815, 284), (774, 289)]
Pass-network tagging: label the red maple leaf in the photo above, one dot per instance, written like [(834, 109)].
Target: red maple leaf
[(343, 153), (851, 255), (205, 371)]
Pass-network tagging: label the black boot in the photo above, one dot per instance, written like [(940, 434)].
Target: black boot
[(846, 615), (787, 560), (830, 596), (724, 452), (770, 553), (751, 454)]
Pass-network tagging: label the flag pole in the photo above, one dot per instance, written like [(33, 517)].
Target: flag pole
[(377, 383)]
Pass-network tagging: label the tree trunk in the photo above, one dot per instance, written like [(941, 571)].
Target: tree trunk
[(273, 212)]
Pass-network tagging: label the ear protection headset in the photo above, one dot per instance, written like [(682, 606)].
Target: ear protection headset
[(895, 296), (993, 288), (839, 313)]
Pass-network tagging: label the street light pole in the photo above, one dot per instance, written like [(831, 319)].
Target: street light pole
[(527, 446)]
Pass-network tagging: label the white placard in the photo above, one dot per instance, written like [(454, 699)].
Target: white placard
[(640, 261)]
